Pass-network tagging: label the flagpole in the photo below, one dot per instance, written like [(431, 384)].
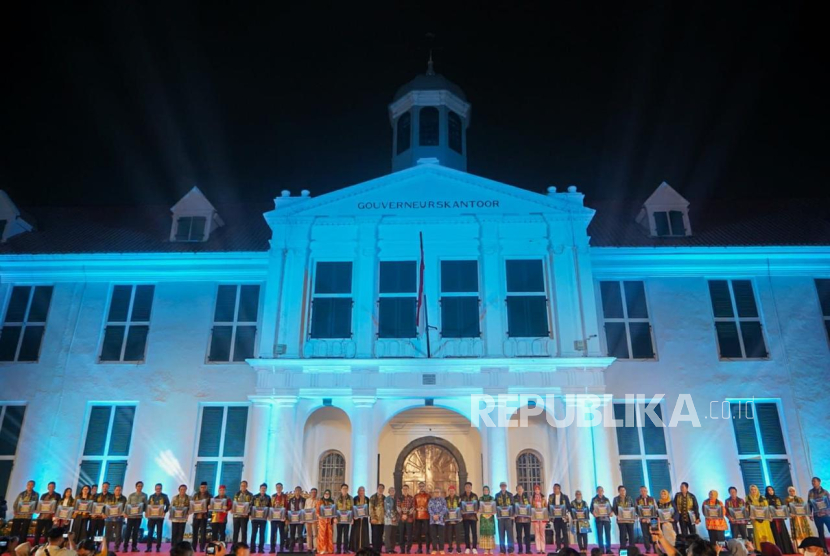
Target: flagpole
[(426, 326), (422, 297)]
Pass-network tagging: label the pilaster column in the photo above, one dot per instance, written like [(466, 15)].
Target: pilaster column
[(281, 463), (563, 270), (293, 294), (364, 287), (492, 299), (364, 441), (256, 471), (273, 289)]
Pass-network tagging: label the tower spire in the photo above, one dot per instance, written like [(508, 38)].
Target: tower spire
[(430, 69)]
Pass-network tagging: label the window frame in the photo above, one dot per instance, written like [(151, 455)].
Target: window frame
[(545, 293), (539, 460), (450, 142), (25, 323), (221, 459), (437, 135), (737, 319), (643, 457), (235, 323), (314, 295), (126, 324), (399, 134), (190, 218), (381, 295), (669, 226), (105, 459), (12, 457), (762, 456), (626, 320), (321, 488), (442, 294)]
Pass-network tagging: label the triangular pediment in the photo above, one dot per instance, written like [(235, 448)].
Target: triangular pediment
[(430, 190), (194, 201), (666, 196)]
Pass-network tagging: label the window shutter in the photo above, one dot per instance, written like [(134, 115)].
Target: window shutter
[(744, 430), (244, 344), (632, 475), (752, 474), (770, 425), (659, 477), (197, 228), (220, 343), (779, 476), (459, 317), (753, 339), (143, 303), (525, 276), (728, 343), (396, 317), (122, 431), (16, 311), (231, 475), (661, 223), (90, 472), (5, 474), (10, 431), (611, 301), (40, 304), (628, 438), (333, 277), (111, 346), (635, 300), (248, 303), (235, 428), (120, 303), (454, 131), (225, 304), (459, 276), (398, 277), (115, 473), (527, 316), (823, 288), (136, 343), (654, 437), (30, 346), (9, 338), (183, 228), (744, 298), (641, 344), (676, 221), (206, 471), (616, 340), (211, 431), (721, 303), (96, 432)]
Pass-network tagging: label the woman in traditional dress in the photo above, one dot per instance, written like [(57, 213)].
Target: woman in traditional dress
[(69, 501), (761, 529), (664, 502), (779, 526), (360, 527), (581, 526), (325, 541), (715, 525), (487, 525), (799, 526), (538, 501), (80, 520)]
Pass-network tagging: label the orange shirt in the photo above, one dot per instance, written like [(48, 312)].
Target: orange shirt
[(421, 503)]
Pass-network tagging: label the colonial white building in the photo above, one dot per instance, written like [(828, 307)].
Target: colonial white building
[(281, 343)]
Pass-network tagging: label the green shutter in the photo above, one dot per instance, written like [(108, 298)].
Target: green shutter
[(744, 298), (206, 471), (10, 430), (770, 425), (744, 427), (659, 476), (612, 307), (632, 475), (211, 431), (5, 473), (225, 304), (16, 311), (231, 475), (116, 471), (96, 431), (235, 428), (654, 437), (628, 438), (779, 476), (823, 288), (122, 431), (90, 472), (752, 474)]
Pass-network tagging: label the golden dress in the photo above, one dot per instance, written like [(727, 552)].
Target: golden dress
[(761, 529), (799, 525)]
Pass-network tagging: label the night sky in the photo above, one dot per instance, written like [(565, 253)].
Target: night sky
[(136, 102)]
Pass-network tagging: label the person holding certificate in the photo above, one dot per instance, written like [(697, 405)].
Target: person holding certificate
[(240, 522), (406, 515), (376, 511), (137, 499), (199, 500), (522, 521), (325, 540), (665, 503), (359, 536), (44, 518), (799, 525), (80, 517), (713, 511), (23, 519), (115, 522), (625, 527), (737, 528), (67, 501), (560, 525), (178, 517), (420, 528), (779, 526), (311, 529), (98, 521), (219, 519), (155, 522), (487, 525), (450, 532), (581, 525), (468, 520), (761, 528), (644, 500), (685, 502), (601, 510), (344, 503), (278, 500), (390, 521), (295, 532), (261, 501), (504, 499), (819, 500), (437, 508)]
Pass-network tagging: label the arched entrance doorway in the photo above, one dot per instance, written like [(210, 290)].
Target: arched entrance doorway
[(431, 460)]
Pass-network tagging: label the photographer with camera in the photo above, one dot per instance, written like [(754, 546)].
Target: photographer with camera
[(59, 543), (216, 548)]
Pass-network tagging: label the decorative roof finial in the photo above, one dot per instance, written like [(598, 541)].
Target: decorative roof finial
[(430, 70)]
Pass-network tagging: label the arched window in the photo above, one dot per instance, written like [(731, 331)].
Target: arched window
[(404, 132), (529, 470), (332, 472), (428, 127), (454, 131)]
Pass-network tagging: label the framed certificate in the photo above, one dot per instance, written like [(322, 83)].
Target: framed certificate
[(522, 510), (65, 512), (504, 512), (602, 510), (114, 510), (712, 512), (821, 505), (453, 515), (739, 515), (47, 506), (799, 509), (487, 508), (626, 514), (26, 508), (259, 513), (779, 512), (580, 513), (83, 506), (344, 517), (759, 513), (178, 513), (241, 509), (328, 510), (646, 512), (155, 510), (134, 510), (219, 504), (99, 508), (665, 515), (557, 511), (309, 515), (468, 507), (538, 514), (198, 506), (361, 511), (278, 513), (295, 517)]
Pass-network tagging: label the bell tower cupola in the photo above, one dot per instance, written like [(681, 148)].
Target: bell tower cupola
[(429, 117)]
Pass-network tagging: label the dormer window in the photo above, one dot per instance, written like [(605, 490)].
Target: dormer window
[(428, 127), (190, 228), (665, 213), (669, 223)]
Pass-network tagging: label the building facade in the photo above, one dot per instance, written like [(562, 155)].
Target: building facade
[(342, 337)]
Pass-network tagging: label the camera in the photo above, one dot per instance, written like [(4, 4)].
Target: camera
[(653, 526), (211, 549), (66, 535), (98, 539)]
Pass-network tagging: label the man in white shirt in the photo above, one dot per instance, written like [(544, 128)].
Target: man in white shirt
[(55, 546)]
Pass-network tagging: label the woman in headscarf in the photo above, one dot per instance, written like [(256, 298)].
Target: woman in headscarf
[(779, 526), (581, 526), (761, 528), (736, 548), (359, 536), (715, 525), (799, 526), (325, 525), (487, 525), (664, 502)]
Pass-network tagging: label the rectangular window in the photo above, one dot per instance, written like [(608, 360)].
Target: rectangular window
[(233, 336), (191, 228), (459, 299), (760, 442), (221, 448), (669, 223), (823, 288), (128, 323), (644, 459), (11, 421), (109, 434), (737, 322), (626, 320), (527, 302), (397, 299), (331, 302), (25, 323)]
